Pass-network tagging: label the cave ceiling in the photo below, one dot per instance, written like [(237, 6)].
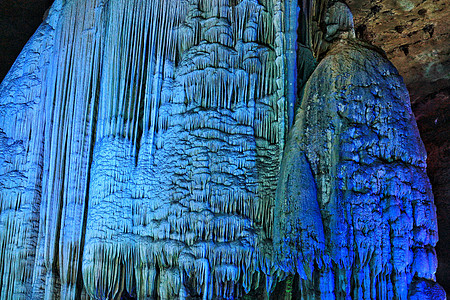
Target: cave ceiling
[(415, 36)]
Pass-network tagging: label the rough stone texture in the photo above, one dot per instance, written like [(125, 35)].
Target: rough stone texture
[(358, 133), (22, 136), (140, 151), (415, 36)]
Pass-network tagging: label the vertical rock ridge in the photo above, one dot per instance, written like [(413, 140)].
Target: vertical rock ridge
[(360, 138)]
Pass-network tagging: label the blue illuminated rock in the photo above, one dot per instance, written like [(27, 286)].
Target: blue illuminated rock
[(358, 134), (146, 152)]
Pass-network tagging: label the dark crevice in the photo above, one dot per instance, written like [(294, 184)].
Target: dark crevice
[(405, 49)]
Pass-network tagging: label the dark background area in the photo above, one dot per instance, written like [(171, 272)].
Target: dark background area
[(415, 36), (19, 19)]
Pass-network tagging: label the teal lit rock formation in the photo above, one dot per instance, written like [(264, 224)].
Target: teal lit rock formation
[(172, 149)]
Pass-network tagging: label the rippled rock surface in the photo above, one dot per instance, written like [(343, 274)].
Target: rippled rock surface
[(144, 155)]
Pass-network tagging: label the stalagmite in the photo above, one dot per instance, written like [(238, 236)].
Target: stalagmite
[(371, 224), (153, 150)]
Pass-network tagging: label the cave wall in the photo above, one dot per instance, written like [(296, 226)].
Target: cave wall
[(432, 113), (140, 154), (426, 107), (18, 21), (415, 37)]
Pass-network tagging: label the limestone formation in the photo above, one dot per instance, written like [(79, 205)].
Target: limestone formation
[(372, 227), (151, 150)]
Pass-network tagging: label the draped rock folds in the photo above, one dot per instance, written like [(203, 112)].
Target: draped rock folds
[(141, 149), (358, 134), (154, 162)]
